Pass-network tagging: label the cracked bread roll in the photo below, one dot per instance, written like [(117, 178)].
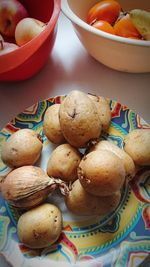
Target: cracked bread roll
[(79, 119)]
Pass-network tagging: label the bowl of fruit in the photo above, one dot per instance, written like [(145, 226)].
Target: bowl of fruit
[(27, 35), (114, 32)]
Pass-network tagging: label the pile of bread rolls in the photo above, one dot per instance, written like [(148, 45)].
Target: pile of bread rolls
[(96, 169), (97, 176)]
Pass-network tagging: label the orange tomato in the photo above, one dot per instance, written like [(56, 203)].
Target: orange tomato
[(104, 26), (107, 10), (125, 28)]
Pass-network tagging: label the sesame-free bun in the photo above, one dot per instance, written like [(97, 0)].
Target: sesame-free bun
[(137, 145), (101, 173), (127, 160), (51, 125), (104, 111), (63, 162), (80, 202)]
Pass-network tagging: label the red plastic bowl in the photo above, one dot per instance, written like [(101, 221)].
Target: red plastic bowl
[(27, 60)]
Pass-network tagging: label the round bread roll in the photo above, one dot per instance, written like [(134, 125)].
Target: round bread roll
[(127, 160), (51, 125), (137, 145), (63, 163), (79, 119), (80, 202), (103, 110), (22, 148), (101, 173), (40, 227)]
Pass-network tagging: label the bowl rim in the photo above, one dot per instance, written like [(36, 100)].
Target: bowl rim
[(6, 66), (67, 11)]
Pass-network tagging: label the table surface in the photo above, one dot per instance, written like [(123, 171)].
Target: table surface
[(71, 67)]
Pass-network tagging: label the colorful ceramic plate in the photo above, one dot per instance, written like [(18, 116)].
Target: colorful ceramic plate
[(119, 239)]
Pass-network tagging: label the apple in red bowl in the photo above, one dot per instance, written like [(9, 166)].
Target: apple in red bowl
[(11, 12), (25, 60)]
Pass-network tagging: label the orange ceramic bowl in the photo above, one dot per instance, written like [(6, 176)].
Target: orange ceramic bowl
[(27, 60)]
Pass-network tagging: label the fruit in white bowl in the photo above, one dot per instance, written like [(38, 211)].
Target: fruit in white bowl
[(6, 47), (11, 12), (141, 20), (117, 52), (27, 29)]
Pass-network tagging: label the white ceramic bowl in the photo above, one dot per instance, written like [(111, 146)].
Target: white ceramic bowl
[(123, 54)]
